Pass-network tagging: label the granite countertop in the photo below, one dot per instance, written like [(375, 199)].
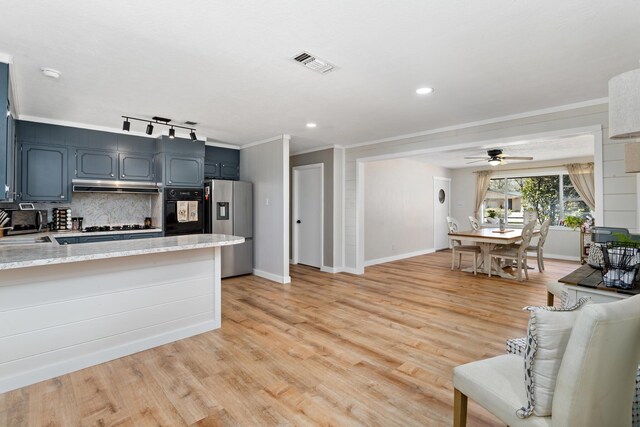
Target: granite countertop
[(21, 256)]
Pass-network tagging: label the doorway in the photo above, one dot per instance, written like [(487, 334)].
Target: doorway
[(441, 210), (308, 214)]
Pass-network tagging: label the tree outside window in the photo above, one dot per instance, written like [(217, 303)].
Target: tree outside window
[(516, 199)]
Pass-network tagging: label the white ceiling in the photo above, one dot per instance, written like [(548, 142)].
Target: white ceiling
[(226, 65), (570, 147)]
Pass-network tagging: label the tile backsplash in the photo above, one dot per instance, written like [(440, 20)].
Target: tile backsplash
[(106, 209)]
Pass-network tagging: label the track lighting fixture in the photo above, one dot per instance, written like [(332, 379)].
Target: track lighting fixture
[(126, 126)]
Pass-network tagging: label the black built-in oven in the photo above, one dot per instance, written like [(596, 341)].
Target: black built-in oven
[(176, 220)]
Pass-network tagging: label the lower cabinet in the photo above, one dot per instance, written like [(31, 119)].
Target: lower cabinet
[(105, 238), (141, 236), (101, 238), (67, 240)]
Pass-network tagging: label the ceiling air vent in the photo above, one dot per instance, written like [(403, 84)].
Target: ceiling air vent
[(190, 123), (314, 63)]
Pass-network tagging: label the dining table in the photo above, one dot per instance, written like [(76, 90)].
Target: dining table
[(487, 239)]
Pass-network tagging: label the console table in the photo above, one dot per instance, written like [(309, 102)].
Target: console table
[(586, 281)]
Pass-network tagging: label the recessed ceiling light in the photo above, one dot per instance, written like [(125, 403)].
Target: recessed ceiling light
[(424, 90), (50, 72), (311, 125)]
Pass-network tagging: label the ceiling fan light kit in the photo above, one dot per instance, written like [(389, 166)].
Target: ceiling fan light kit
[(126, 126), (495, 157)]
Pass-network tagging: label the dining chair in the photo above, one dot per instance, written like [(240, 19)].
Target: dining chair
[(457, 248), (595, 383), (544, 230), (475, 224), (517, 252)]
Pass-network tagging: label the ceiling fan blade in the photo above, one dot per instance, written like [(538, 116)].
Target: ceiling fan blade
[(506, 156), (478, 157), (475, 161)]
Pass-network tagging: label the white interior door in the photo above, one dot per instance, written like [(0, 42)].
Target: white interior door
[(308, 215), (441, 210)]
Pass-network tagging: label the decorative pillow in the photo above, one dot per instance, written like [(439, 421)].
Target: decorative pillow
[(596, 258), (547, 338)]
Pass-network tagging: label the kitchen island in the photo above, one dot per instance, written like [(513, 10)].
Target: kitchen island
[(67, 307)]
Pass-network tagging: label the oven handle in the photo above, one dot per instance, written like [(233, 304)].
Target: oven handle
[(39, 221)]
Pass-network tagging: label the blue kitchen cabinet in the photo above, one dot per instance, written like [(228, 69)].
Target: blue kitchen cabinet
[(44, 171), (180, 171), (96, 164), (100, 238), (67, 240), (222, 163), (136, 236), (7, 144), (136, 167), (212, 170)]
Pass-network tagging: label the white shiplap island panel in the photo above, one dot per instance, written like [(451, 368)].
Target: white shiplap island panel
[(64, 308)]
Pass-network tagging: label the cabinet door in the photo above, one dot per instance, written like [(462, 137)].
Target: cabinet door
[(5, 146), (136, 167), (137, 236), (97, 164), (67, 240), (101, 238), (183, 171), (44, 172), (229, 170), (212, 170)]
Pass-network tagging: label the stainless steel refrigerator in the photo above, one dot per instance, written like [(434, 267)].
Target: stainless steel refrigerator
[(229, 210)]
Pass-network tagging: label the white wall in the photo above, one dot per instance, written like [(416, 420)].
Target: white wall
[(398, 208), (562, 242), (338, 209), (618, 188), (266, 165)]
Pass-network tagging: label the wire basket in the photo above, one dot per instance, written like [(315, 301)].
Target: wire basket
[(621, 262)]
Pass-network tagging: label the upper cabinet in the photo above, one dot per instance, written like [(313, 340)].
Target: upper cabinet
[(136, 167), (7, 145), (181, 162), (183, 171), (222, 163), (96, 164), (44, 173)]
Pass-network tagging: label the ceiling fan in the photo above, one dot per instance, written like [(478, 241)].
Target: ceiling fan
[(495, 158)]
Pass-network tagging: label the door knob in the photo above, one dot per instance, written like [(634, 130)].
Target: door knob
[(298, 222)]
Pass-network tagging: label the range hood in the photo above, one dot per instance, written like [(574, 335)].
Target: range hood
[(103, 186)]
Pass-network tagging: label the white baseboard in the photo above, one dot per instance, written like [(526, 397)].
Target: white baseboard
[(332, 270), (561, 257), (55, 369), (272, 277), (351, 270), (398, 257)]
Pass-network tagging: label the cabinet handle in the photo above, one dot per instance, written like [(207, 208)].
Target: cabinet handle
[(111, 174), (123, 175), (170, 182), (62, 197)]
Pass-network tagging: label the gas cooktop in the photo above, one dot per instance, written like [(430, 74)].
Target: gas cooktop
[(96, 228)]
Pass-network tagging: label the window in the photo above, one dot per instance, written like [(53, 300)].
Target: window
[(527, 198)]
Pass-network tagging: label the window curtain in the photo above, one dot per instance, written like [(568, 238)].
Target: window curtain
[(581, 175), (482, 185)]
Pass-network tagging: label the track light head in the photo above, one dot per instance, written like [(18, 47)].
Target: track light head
[(172, 133), (193, 135), (149, 129), (126, 125)]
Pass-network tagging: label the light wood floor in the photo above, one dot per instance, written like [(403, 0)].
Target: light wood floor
[(327, 349)]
